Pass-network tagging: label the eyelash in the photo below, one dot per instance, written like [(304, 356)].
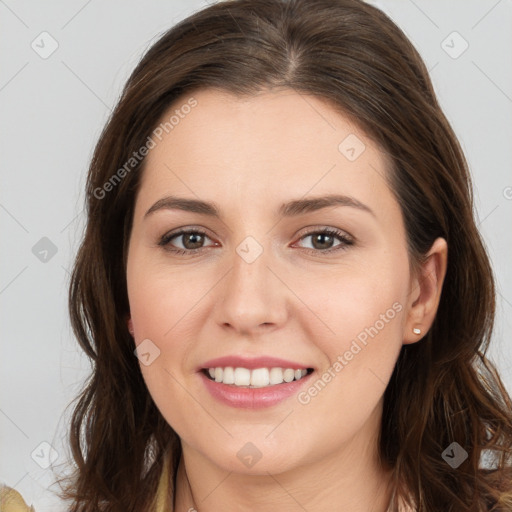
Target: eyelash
[(344, 239)]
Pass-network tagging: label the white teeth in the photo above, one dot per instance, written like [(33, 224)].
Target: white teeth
[(260, 378), (257, 378), (242, 377), (276, 375), (229, 375), (288, 375)]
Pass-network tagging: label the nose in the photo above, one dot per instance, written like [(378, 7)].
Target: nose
[(252, 298)]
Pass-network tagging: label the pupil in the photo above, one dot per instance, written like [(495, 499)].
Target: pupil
[(191, 236), (322, 237)]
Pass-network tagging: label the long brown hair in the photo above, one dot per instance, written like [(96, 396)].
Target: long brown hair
[(443, 388)]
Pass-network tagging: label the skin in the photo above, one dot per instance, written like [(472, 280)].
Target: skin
[(248, 156)]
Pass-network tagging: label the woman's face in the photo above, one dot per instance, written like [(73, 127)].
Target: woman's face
[(262, 286)]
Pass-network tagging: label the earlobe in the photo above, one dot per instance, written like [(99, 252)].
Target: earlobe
[(130, 326), (426, 292)]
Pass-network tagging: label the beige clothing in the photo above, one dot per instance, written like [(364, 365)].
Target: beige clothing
[(11, 501)]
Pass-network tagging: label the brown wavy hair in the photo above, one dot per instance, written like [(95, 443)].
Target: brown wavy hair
[(443, 388)]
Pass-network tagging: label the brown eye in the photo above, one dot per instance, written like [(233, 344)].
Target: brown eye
[(184, 242), (325, 241), (322, 241), (192, 240)]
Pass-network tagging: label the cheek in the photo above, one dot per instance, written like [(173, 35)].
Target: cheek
[(370, 310), (365, 316), (160, 297), (355, 302), (161, 304), (164, 305), (358, 327)]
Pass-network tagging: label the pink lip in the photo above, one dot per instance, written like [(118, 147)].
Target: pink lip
[(253, 398), (251, 363)]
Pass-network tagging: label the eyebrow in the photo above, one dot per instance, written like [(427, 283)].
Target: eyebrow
[(289, 209)]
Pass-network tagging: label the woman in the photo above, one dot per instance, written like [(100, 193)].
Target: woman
[(281, 286)]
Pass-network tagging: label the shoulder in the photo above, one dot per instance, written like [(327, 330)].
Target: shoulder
[(12, 501)]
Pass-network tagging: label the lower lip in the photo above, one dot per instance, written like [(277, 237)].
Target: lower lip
[(253, 398)]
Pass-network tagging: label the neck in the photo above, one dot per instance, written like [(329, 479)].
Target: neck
[(350, 479)]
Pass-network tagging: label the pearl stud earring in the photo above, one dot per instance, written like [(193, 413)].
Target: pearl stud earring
[(416, 331)]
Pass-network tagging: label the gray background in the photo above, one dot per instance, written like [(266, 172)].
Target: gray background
[(53, 110)]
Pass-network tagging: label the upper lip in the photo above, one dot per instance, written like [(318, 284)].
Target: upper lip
[(252, 363)]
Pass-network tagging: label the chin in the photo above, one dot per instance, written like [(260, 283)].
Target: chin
[(255, 457)]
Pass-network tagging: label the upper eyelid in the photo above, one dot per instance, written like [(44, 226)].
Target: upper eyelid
[(182, 232), (311, 230)]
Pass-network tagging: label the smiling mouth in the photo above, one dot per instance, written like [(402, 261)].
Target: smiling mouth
[(255, 378)]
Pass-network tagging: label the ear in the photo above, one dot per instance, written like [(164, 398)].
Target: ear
[(130, 325), (425, 292)]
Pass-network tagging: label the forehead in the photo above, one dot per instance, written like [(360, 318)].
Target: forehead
[(254, 148)]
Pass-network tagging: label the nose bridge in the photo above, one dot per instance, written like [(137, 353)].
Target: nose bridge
[(252, 295)]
